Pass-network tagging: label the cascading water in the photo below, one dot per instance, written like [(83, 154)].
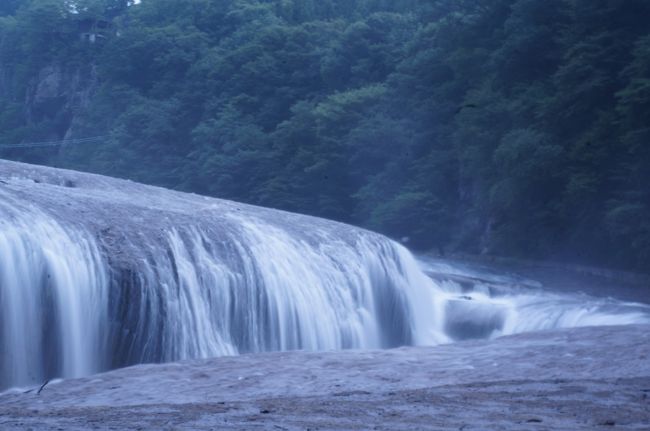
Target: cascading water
[(97, 273), (261, 291), (52, 299), (492, 305)]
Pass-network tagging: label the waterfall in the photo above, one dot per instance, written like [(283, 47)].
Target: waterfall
[(264, 290), (68, 308), (52, 299), (97, 273)]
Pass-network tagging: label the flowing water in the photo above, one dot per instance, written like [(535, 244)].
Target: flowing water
[(482, 303), (53, 291), (98, 273)]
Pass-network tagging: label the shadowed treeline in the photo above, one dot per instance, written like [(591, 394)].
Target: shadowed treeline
[(514, 127)]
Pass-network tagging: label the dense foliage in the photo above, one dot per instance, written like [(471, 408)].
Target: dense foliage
[(515, 127)]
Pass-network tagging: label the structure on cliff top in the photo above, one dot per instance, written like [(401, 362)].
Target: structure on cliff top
[(93, 29)]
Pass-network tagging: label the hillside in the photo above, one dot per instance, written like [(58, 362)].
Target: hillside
[(509, 127)]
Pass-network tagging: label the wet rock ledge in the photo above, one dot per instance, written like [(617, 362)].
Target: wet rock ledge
[(577, 379)]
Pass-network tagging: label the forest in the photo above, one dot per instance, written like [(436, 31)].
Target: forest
[(505, 127)]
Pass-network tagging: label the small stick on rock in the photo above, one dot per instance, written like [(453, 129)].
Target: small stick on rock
[(42, 386)]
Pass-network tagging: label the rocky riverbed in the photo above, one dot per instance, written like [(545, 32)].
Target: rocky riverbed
[(574, 379)]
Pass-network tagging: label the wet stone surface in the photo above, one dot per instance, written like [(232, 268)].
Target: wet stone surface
[(575, 379)]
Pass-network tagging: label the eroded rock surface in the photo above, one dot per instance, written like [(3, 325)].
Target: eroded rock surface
[(575, 379)]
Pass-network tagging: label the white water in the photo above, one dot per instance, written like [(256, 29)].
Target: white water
[(270, 291), (249, 286), (498, 304), (52, 299)]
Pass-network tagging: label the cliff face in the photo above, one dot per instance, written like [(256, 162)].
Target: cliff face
[(4, 80), (58, 94)]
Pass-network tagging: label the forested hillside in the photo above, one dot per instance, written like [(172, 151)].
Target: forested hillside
[(510, 127)]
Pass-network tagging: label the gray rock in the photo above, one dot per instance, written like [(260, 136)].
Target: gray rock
[(577, 379)]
